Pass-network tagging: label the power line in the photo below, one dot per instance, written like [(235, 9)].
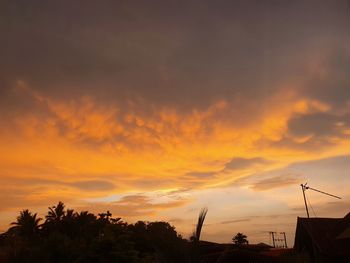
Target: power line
[(313, 211), (305, 187)]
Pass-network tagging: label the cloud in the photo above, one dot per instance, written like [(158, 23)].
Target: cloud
[(328, 81), (201, 174), (330, 171), (30, 191), (86, 185), (320, 125), (235, 221), (183, 59), (19, 198), (194, 148), (341, 162), (137, 206), (336, 208), (122, 97), (242, 163), (93, 185), (275, 182), (315, 131)]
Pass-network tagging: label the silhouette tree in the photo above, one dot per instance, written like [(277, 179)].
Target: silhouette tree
[(69, 236), (240, 239), (195, 253), (68, 223), (84, 218), (69, 215), (86, 225), (27, 224), (56, 213), (106, 215), (199, 226)]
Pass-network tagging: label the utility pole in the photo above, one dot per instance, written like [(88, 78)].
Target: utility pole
[(273, 238), (279, 239), (304, 187), (285, 239)]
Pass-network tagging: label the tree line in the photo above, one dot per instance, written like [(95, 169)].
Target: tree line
[(65, 235), (68, 236)]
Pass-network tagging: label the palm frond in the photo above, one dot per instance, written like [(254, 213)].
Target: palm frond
[(200, 223)]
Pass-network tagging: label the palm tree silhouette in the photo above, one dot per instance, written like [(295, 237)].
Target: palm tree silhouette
[(69, 223), (195, 256), (106, 215), (56, 213), (84, 217), (199, 226), (68, 236), (27, 224), (69, 215)]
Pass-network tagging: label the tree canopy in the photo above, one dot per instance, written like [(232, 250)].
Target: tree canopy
[(240, 239), (70, 236)]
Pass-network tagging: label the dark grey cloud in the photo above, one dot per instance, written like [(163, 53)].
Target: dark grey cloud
[(332, 87), (186, 53), (313, 131), (319, 125)]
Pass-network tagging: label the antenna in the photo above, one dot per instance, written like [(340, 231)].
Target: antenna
[(305, 187)]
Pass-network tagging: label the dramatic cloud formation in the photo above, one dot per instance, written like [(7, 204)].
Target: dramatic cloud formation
[(155, 109)]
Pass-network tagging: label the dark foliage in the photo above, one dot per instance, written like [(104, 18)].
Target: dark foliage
[(81, 237), (240, 239), (68, 236)]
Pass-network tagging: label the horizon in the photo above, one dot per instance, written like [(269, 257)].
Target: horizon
[(155, 110)]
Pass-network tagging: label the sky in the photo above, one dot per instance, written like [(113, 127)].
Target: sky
[(155, 109)]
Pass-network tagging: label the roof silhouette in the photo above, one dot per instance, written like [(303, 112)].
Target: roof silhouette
[(323, 236)]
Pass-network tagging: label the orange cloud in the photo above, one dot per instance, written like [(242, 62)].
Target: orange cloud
[(68, 146), (132, 206)]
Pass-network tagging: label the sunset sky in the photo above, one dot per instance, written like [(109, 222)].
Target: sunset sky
[(155, 109)]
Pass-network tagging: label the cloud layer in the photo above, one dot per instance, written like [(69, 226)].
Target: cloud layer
[(150, 110)]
